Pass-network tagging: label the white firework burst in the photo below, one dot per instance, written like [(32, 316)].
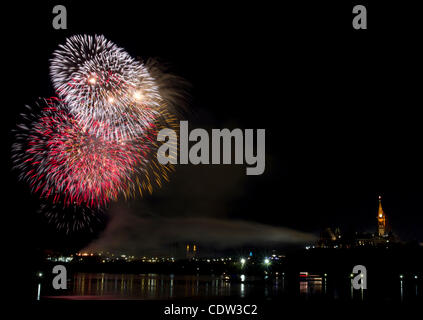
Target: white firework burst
[(103, 85)]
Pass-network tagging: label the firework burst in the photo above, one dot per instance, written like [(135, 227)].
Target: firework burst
[(97, 141), (101, 82), (65, 162)]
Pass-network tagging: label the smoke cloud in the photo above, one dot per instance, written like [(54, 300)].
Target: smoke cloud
[(135, 235)]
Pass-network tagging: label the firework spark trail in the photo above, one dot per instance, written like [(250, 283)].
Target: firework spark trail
[(72, 218), (101, 82), (151, 173)]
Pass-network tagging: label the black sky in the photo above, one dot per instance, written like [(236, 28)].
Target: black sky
[(341, 108)]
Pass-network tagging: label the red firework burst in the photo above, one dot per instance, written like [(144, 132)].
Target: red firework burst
[(66, 162)]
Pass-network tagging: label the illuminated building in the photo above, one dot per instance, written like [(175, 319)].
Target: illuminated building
[(381, 220), (382, 237)]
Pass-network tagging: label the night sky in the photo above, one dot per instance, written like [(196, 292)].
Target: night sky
[(341, 109)]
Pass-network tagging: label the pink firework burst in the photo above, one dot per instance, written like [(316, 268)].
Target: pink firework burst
[(73, 164)]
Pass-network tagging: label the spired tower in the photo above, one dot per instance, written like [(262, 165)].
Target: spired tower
[(381, 220)]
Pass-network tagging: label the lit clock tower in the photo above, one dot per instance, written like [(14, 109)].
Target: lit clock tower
[(381, 220)]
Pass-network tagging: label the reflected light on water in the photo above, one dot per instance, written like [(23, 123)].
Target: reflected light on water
[(402, 291), (311, 287), (148, 286), (242, 290), (38, 291), (169, 286)]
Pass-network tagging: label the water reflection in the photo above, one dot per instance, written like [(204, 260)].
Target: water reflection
[(161, 286), (311, 287), (149, 286), (38, 291), (242, 291), (402, 291)]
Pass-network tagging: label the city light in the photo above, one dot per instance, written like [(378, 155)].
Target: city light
[(266, 261), (243, 261)]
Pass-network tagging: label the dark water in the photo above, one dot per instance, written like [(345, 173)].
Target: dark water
[(103, 286)]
